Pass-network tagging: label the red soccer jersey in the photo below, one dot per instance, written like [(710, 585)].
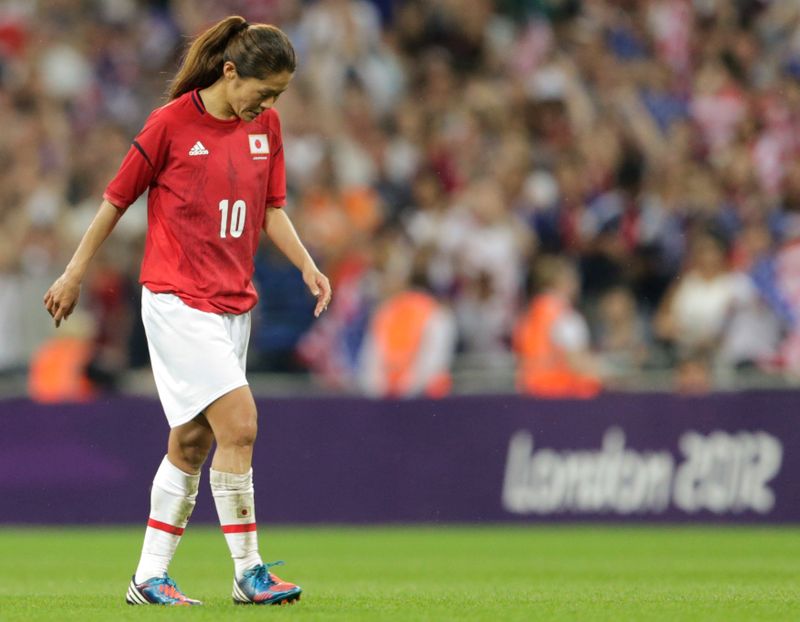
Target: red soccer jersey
[(210, 183)]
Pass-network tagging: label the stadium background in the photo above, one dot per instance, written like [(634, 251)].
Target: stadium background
[(653, 143), (644, 140)]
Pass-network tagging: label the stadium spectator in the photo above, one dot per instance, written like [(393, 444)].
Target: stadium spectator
[(551, 339), (59, 368), (477, 257), (620, 332), (776, 281), (714, 310), (409, 345)]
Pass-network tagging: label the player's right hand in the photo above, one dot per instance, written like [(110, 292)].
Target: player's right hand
[(320, 286), (62, 297)]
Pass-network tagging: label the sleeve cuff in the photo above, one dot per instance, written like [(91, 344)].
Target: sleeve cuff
[(116, 201)]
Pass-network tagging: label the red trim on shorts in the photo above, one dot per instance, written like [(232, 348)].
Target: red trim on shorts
[(157, 524), (239, 528)]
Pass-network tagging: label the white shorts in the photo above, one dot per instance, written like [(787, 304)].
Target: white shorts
[(197, 357)]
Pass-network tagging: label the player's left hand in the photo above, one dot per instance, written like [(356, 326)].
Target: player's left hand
[(62, 297), (319, 285)]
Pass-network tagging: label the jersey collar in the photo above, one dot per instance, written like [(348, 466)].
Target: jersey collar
[(207, 116)]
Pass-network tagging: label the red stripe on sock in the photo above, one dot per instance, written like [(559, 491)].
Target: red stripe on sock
[(239, 528), (157, 524)]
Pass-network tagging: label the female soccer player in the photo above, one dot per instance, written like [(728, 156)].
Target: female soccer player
[(212, 159)]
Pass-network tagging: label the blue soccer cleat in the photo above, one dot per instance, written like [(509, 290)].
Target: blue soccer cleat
[(259, 586), (157, 591)]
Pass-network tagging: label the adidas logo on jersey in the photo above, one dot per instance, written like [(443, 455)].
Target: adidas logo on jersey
[(198, 149)]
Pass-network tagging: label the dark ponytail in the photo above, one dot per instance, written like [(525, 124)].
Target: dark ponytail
[(257, 50)]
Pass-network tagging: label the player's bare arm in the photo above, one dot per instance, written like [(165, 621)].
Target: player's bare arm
[(282, 232), (62, 297)]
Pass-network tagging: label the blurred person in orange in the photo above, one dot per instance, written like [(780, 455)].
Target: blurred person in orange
[(58, 368), (551, 339), (410, 343)]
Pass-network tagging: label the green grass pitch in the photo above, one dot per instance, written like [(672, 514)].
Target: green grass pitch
[(429, 573)]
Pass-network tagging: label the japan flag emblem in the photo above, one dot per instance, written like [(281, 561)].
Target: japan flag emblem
[(259, 144)]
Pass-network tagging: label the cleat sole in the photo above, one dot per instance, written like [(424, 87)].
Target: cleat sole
[(289, 600)]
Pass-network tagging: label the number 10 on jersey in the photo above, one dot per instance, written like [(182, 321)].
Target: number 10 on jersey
[(238, 213)]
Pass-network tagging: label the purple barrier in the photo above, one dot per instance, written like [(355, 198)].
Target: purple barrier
[(618, 458)]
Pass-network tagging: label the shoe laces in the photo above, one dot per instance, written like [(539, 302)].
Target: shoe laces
[(169, 588), (262, 575)]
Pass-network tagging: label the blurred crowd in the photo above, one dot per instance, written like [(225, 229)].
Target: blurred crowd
[(647, 151)]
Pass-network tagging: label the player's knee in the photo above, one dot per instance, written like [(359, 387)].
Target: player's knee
[(241, 432), (195, 455), (193, 448)]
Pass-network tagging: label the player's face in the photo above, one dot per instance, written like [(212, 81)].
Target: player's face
[(249, 97)]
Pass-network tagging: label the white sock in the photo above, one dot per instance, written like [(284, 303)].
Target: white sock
[(233, 496), (172, 500)]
